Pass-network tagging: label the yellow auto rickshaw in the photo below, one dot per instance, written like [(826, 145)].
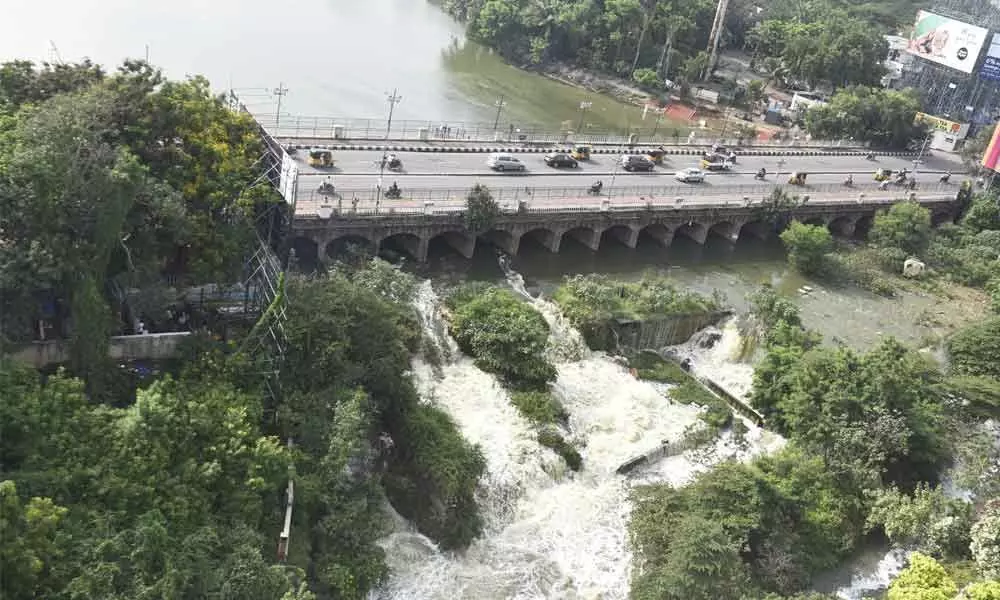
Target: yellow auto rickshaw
[(797, 179), (883, 174), (656, 156), (320, 158), (581, 152)]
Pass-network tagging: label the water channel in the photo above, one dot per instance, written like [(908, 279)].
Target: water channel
[(550, 534)]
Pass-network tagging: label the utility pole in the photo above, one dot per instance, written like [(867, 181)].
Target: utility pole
[(499, 104), (713, 39), (393, 100), (280, 93)]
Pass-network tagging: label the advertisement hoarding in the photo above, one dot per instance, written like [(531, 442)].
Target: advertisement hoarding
[(946, 41), (992, 155), (942, 124), (991, 64)]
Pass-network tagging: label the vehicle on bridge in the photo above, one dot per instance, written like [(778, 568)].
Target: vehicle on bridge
[(320, 158), (690, 175), (581, 152), (798, 178), (656, 156), (501, 161), (883, 174), (716, 162), (634, 162), (560, 159)]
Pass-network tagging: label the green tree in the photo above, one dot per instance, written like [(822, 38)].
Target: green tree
[(807, 246), (29, 547), (985, 546), (982, 590), (906, 225), (481, 210), (22, 82), (883, 117), (983, 213), (928, 521), (923, 579)]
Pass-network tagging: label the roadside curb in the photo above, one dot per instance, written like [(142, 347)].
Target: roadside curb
[(637, 150)]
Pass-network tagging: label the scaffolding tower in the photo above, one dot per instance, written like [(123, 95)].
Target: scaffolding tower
[(952, 94)]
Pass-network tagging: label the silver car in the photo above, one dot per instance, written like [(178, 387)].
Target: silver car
[(690, 175)]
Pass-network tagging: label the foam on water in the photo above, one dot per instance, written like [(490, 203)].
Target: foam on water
[(720, 361), (864, 583)]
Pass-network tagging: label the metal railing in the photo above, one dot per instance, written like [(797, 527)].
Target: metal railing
[(513, 196), (335, 128)]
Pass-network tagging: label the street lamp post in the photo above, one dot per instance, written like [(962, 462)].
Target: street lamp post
[(920, 155), (499, 104), (393, 100), (584, 107), (781, 163)]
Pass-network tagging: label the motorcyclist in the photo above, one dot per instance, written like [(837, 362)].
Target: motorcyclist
[(912, 184), (761, 173), (394, 162), (393, 191), (945, 177), (870, 156), (596, 187), (884, 185), (849, 181)]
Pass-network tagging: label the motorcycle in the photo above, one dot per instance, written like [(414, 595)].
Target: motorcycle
[(944, 178), (849, 182), (870, 156), (760, 175), (595, 190), (326, 189), (912, 184), (393, 193)]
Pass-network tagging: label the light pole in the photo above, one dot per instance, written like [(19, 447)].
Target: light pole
[(920, 155), (280, 93), (393, 100), (499, 104), (584, 107), (781, 163)]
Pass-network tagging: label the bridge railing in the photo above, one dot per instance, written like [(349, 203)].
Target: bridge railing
[(335, 128), (513, 196), (632, 203)]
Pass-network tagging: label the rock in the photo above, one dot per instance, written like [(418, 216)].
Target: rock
[(913, 268), (709, 339)]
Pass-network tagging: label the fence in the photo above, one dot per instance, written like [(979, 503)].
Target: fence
[(579, 204), (333, 128), (513, 196)]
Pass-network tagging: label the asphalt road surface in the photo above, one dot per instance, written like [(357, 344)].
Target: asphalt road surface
[(357, 170)]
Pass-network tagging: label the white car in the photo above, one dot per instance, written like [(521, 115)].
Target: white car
[(690, 175), (499, 161)]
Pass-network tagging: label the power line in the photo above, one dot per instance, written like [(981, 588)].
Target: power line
[(393, 100)]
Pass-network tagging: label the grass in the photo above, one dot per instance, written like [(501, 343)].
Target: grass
[(554, 440), (541, 408)]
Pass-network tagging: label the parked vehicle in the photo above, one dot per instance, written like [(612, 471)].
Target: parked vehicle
[(560, 159), (500, 161), (690, 175), (634, 162)]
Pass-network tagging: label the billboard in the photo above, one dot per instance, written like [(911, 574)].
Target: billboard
[(991, 158), (991, 65), (946, 41), (941, 124)]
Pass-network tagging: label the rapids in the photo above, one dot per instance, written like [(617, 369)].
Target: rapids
[(550, 533)]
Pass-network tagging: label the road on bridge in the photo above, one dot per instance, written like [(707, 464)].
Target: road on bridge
[(358, 171)]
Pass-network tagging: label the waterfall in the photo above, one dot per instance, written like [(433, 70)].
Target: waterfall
[(550, 533), (864, 584)]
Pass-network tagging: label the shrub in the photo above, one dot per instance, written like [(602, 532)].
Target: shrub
[(554, 440), (539, 407)]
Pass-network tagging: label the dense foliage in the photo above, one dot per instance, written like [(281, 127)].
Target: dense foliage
[(880, 116), (807, 246), (592, 302), (831, 42), (113, 182)]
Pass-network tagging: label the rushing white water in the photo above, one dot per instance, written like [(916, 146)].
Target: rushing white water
[(550, 533), (868, 580), (714, 354)]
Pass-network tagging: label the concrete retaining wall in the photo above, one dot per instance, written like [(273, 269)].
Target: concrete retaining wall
[(153, 346)]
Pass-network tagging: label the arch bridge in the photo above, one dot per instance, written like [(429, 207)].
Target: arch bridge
[(413, 233)]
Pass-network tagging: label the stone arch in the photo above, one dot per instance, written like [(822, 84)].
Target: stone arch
[(462, 243), (408, 243), (306, 250), (591, 238), (546, 238), (626, 234), (760, 230), (727, 230), (843, 225), (659, 232), (696, 231), (350, 244), (863, 225), (502, 239)]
